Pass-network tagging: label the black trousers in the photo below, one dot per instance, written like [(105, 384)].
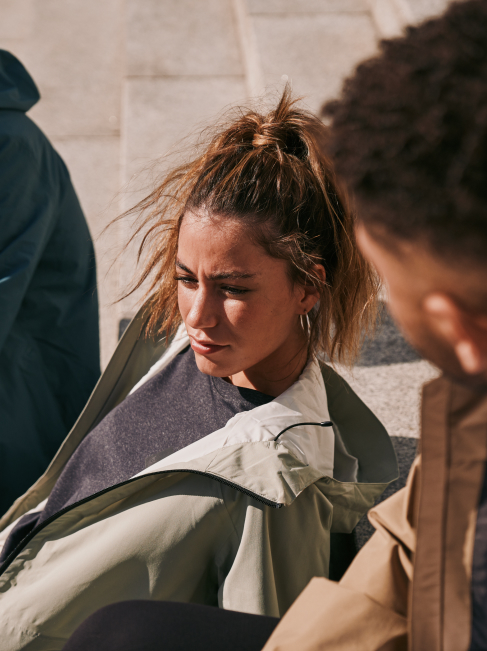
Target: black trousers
[(168, 626)]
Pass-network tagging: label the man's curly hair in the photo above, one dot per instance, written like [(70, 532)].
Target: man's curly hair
[(409, 135)]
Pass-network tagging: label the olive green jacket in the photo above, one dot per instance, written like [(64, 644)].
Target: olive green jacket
[(237, 520)]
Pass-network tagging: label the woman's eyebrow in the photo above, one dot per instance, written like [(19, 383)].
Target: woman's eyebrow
[(230, 275), (183, 267)]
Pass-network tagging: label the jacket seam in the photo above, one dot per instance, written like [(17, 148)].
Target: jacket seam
[(228, 512)]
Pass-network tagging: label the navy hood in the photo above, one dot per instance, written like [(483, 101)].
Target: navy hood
[(17, 88)]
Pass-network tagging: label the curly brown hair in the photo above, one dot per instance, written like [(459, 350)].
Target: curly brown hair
[(266, 170), (409, 136)]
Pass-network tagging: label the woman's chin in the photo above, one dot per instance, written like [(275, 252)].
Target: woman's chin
[(213, 367)]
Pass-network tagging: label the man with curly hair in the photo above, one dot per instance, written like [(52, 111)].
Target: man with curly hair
[(409, 139)]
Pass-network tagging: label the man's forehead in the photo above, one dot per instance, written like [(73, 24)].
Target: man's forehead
[(414, 268)]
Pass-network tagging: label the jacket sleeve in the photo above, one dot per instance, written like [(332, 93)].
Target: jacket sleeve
[(367, 609), (276, 551), (26, 216)]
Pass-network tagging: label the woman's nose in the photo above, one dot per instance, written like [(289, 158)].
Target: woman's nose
[(203, 312)]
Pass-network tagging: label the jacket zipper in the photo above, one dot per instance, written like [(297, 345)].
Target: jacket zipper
[(36, 530)]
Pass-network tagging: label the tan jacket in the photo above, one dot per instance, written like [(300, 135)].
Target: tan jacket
[(237, 519), (409, 587)]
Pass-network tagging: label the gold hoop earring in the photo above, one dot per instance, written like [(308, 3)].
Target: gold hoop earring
[(305, 324)]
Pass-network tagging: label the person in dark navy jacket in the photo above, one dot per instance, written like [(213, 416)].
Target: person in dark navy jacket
[(49, 343)]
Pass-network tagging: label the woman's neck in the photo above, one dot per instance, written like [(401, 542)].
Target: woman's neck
[(277, 372)]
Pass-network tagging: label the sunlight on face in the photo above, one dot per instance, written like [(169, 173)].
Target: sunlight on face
[(239, 306)]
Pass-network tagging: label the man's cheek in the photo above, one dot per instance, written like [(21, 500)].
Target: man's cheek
[(408, 321)]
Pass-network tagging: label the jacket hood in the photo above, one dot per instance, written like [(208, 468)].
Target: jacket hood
[(18, 91)]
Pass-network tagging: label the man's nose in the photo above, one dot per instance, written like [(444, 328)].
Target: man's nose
[(204, 311)]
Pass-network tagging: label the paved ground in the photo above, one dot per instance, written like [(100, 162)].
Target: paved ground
[(122, 81), (388, 378)]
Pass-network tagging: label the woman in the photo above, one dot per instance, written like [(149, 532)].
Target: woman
[(205, 467)]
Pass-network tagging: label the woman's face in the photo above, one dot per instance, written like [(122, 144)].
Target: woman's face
[(239, 306)]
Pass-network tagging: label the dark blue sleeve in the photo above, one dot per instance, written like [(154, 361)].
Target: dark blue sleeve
[(26, 221)]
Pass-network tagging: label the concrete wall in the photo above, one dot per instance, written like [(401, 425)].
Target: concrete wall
[(122, 81)]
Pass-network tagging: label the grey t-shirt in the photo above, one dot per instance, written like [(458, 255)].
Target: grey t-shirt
[(173, 409), (176, 407)]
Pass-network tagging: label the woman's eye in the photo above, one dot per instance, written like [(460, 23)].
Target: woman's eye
[(186, 280), (235, 291), (192, 282)]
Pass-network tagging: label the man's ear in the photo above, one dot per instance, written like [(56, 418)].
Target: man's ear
[(464, 331)]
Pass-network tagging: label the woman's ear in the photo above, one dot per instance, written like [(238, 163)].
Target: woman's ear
[(310, 294), (465, 332)]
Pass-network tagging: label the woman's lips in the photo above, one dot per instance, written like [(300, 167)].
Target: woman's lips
[(205, 348)]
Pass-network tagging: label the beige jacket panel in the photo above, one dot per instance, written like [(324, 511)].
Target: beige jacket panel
[(242, 555)]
